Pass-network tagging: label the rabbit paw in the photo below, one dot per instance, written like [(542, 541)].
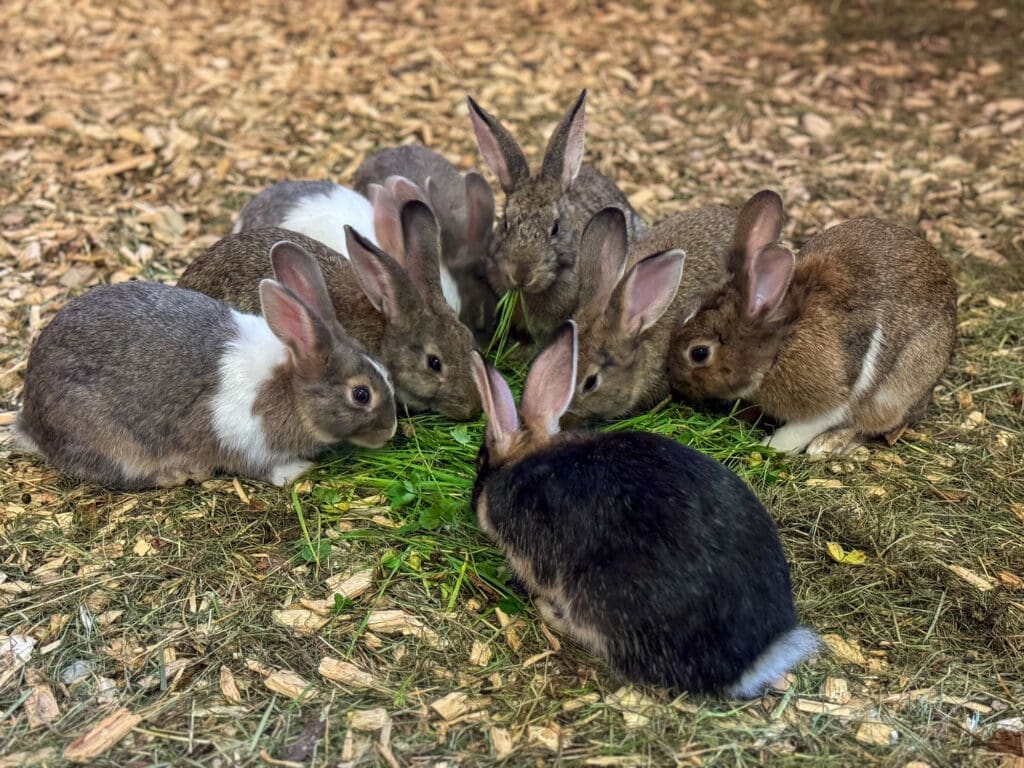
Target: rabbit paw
[(837, 441), (286, 474), (552, 616)]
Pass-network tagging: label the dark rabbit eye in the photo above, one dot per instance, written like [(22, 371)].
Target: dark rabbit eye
[(361, 395), (700, 353), (554, 229), (591, 383), (434, 363)]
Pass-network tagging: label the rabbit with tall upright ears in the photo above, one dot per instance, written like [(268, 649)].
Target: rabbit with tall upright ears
[(631, 305), (317, 209), (649, 553), (398, 313), (842, 344), (138, 385), (464, 207), (545, 214)]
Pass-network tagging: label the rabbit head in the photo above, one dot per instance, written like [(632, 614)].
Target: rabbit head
[(326, 361), (536, 236), (424, 345), (724, 349), (623, 334)]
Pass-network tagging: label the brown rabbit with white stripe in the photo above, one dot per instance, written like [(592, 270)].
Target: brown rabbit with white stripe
[(843, 344)]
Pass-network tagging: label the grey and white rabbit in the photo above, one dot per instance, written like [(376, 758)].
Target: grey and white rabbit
[(397, 312), (464, 207), (649, 553), (844, 343), (545, 214), (137, 385)]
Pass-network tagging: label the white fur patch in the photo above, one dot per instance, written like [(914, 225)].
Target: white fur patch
[(248, 362), (795, 435), (869, 366), (450, 290), (286, 474), (323, 217), (23, 442), (775, 661), (384, 373)]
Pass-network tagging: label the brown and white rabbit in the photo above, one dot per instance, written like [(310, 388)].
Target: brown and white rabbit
[(627, 318), (545, 214), (649, 553), (842, 344), (464, 207), (137, 385), (399, 314)]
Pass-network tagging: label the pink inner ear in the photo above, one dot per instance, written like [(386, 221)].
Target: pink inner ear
[(375, 280), (769, 272), (288, 318), (404, 190), (479, 209), (649, 289), (387, 224), (490, 149), (503, 417), (300, 273), (760, 222), (551, 382), (574, 149)]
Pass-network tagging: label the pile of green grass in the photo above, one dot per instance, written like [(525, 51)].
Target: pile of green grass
[(423, 484)]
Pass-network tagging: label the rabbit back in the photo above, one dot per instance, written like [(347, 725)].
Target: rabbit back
[(665, 560)]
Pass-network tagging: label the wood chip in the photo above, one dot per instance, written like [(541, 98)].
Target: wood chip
[(480, 654), (876, 734), (983, 583), (15, 651), (228, 687), (397, 621), (501, 743), (552, 737), (345, 672), (454, 705), (836, 690), (350, 586), (846, 651), (41, 705), (102, 736), (302, 620), (368, 719), (290, 684)]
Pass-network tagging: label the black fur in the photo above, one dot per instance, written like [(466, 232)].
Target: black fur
[(662, 550)]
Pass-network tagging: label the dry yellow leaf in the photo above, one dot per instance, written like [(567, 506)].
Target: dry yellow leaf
[(102, 736), (344, 672), (837, 553)]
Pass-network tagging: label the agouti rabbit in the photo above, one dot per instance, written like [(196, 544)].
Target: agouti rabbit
[(544, 215), (464, 207), (398, 314), (626, 321), (842, 344), (648, 553), (137, 385)]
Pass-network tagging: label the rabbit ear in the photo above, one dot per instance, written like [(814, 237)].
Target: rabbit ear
[(387, 222), (295, 324), (404, 190), (602, 254), (498, 404), (383, 280), (759, 223), (564, 154), (479, 209), (300, 273), (500, 151), (551, 382), (422, 247), (648, 290), (769, 272)]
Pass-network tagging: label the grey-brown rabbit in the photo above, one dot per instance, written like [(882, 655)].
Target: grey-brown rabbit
[(464, 207), (545, 214), (398, 313), (842, 344), (137, 385)]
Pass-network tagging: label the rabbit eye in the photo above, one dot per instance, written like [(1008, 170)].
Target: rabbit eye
[(554, 229), (590, 384), (700, 353), (361, 395), (434, 363)]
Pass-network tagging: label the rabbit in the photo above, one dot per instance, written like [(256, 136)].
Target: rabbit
[(842, 344), (317, 209), (626, 319), (544, 215), (645, 551), (139, 385), (398, 314), (464, 207)]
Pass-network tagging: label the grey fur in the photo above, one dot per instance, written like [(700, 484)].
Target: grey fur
[(271, 206)]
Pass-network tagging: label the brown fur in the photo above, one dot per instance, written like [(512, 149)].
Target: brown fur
[(804, 358), (632, 369), (232, 268)]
